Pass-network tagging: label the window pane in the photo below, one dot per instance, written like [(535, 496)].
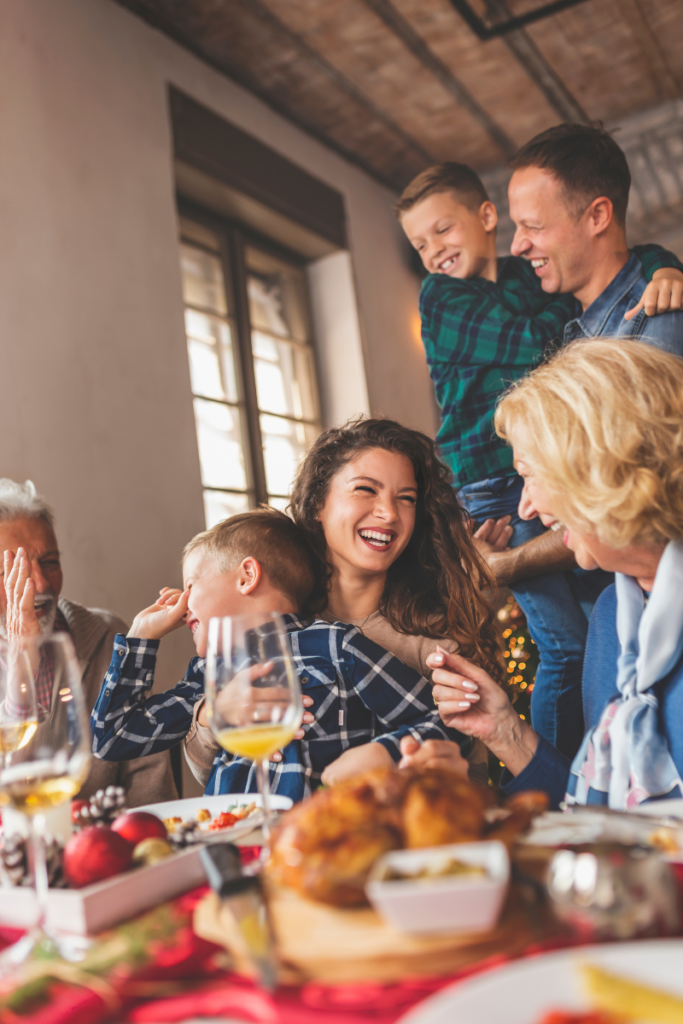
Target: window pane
[(284, 377), (277, 295), (219, 506), (279, 503), (219, 437), (265, 305), (284, 445), (212, 363), (202, 279)]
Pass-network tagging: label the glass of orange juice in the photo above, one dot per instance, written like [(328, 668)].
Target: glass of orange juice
[(253, 699)]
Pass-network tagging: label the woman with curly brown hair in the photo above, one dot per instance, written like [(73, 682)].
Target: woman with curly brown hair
[(395, 551)]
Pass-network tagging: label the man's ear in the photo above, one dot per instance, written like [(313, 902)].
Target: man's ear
[(249, 576), (489, 216), (600, 214)]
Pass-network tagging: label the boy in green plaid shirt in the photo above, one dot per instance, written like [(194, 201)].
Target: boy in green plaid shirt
[(486, 322)]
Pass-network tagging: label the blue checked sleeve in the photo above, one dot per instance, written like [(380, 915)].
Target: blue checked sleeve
[(127, 723), (398, 696)]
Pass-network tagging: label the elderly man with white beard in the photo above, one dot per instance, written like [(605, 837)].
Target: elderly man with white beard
[(27, 530)]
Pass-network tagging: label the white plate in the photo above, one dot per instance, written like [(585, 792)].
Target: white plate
[(524, 991), (186, 809)]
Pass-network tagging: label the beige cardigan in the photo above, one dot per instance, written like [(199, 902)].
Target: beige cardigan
[(201, 748), (147, 779)]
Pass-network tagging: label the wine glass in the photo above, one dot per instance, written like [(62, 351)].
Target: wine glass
[(44, 755), (253, 699)]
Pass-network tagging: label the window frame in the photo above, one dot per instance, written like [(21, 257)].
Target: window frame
[(234, 239)]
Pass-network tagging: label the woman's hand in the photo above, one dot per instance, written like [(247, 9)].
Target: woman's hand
[(663, 294), (433, 754), (470, 701), (162, 617), (357, 760), (20, 591)]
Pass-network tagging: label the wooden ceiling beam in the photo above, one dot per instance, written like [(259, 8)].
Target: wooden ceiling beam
[(522, 46), (339, 79), (402, 28), (251, 82)]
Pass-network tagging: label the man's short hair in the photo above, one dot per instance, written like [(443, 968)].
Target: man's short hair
[(22, 501), (586, 161), (273, 539), (449, 177)]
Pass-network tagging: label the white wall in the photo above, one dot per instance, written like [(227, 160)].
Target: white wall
[(94, 389)]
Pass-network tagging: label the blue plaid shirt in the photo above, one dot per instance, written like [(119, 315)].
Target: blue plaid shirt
[(360, 693)]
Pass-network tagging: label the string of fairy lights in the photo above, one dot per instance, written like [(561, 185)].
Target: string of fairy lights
[(521, 662)]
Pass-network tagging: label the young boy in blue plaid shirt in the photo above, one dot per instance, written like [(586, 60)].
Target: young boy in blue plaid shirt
[(364, 699), (486, 323)]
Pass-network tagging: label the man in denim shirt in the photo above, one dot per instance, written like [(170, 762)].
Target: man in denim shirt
[(568, 199)]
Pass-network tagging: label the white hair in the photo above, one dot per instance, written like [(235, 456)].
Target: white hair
[(22, 501)]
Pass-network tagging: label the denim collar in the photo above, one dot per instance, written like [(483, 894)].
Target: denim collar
[(592, 322)]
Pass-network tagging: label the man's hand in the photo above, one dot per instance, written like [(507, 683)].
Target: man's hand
[(356, 760), (162, 617), (537, 557), (469, 700), (20, 590), (493, 535), (433, 754), (663, 294)]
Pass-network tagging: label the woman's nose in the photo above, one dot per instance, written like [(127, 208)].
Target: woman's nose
[(386, 509), (526, 508)]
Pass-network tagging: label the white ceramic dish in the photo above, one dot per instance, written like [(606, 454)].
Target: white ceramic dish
[(556, 829), (96, 907), (454, 903), (186, 809), (522, 992)]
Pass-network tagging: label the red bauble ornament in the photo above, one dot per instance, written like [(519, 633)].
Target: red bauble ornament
[(138, 825), (95, 854)]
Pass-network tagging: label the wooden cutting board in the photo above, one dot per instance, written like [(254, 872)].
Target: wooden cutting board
[(333, 945)]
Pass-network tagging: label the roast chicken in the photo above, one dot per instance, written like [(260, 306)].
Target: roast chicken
[(325, 846)]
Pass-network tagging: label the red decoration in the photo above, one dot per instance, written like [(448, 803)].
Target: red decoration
[(95, 854), (138, 825)]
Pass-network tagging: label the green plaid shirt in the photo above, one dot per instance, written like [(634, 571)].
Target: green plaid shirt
[(479, 337)]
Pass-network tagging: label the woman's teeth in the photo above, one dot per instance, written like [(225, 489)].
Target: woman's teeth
[(377, 539), (536, 264)]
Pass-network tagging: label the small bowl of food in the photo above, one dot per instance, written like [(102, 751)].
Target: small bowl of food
[(458, 888)]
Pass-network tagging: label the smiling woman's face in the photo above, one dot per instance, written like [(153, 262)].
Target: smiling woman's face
[(637, 560), (369, 513)]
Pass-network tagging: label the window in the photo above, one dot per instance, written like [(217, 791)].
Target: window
[(252, 365)]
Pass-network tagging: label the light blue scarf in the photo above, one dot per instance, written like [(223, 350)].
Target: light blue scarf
[(624, 760)]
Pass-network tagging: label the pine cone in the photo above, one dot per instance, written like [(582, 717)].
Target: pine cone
[(15, 860), (101, 808), (184, 834)]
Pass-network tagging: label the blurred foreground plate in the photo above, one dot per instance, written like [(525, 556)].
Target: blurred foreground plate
[(524, 991), (187, 809)]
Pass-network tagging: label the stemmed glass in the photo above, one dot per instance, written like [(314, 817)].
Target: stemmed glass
[(253, 699), (44, 754)]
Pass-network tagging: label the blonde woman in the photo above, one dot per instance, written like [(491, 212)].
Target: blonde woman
[(597, 434)]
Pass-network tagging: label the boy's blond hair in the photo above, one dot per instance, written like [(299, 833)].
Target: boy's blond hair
[(601, 425), (447, 177), (273, 539)]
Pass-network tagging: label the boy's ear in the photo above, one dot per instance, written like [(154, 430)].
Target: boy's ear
[(249, 576), (489, 216)]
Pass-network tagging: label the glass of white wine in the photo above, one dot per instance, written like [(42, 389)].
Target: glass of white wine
[(44, 752), (253, 698)]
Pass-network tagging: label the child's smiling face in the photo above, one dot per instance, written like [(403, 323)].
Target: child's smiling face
[(450, 237), (212, 594)]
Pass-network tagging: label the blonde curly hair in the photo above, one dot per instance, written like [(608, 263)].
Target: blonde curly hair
[(601, 424)]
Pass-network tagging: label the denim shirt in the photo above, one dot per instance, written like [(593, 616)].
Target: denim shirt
[(605, 315)]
